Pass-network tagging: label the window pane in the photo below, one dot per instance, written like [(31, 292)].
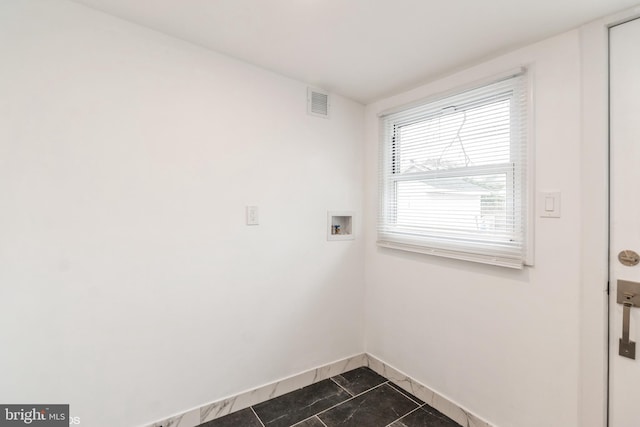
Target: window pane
[(470, 137), (455, 206)]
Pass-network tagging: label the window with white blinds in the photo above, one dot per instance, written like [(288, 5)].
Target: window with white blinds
[(453, 175)]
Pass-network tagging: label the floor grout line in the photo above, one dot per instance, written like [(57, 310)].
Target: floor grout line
[(336, 382), (254, 413), (351, 398), (411, 412), (406, 394), (307, 419), (388, 382), (337, 404)]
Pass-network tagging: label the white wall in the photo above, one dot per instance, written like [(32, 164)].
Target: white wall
[(503, 344), (130, 286)]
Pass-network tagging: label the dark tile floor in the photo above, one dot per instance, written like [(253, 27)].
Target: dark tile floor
[(358, 398)]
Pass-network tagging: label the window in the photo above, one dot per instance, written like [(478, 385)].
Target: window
[(453, 175)]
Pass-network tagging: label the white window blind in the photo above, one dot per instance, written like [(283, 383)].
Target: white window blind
[(453, 175)]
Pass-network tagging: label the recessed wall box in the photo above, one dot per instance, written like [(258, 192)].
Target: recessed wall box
[(340, 225)]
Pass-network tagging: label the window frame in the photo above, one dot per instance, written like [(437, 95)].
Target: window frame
[(518, 192)]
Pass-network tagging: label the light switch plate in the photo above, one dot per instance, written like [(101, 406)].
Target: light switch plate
[(549, 204), (252, 215)]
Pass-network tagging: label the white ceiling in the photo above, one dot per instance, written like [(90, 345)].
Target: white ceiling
[(362, 49)]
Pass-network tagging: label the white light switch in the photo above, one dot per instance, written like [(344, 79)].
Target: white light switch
[(549, 204), (252, 215)]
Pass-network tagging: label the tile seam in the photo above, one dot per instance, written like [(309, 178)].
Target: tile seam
[(336, 383), (259, 419), (405, 415)]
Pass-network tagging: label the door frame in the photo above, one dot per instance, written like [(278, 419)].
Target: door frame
[(594, 160)]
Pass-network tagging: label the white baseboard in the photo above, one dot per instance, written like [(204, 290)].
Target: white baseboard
[(257, 395), (222, 407), (422, 392)]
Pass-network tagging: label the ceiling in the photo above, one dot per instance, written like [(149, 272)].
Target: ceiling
[(361, 49)]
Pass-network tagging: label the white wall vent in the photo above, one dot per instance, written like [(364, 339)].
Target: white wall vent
[(318, 102)]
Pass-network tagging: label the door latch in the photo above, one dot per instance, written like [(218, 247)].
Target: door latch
[(629, 296)]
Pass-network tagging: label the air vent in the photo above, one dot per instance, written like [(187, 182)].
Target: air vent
[(318, 102)]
